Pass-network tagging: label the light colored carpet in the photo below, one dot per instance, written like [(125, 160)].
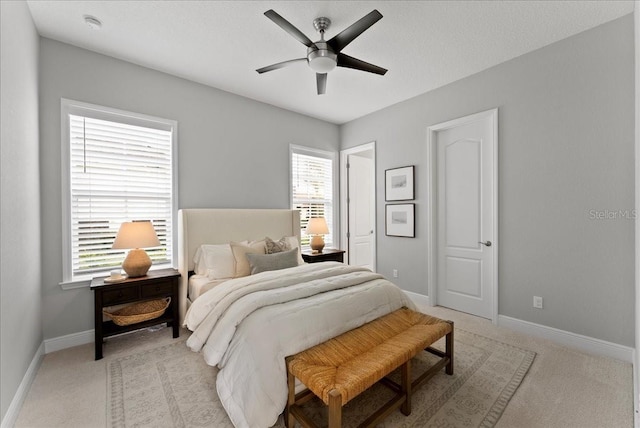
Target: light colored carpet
[(170, 386), (564, 388)]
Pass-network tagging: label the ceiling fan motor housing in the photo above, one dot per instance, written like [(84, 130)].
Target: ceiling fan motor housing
[(322, 58)]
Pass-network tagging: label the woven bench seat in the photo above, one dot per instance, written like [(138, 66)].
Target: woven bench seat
[(341, 368)]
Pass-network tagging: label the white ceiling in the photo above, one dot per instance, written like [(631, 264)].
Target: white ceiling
[(424, 44)]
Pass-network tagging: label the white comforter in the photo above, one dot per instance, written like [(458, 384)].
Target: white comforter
[(247, 326)]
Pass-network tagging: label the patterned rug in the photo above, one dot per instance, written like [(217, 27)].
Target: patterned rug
[(170, 386)]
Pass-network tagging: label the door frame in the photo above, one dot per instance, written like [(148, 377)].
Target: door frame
[(344, 212), (432, 210)]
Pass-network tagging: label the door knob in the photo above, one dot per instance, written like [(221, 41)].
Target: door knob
[(488, 243)]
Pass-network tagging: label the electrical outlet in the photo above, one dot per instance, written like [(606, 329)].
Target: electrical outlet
[(537, 302), (395, 273)]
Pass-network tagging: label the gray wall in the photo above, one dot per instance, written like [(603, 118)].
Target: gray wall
[(232, 151), (566, 146), (20, 274)]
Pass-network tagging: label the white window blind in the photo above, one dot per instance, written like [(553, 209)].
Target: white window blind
[(312, 188), (118, 171)]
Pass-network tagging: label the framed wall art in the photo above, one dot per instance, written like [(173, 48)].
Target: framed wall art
[(400, 220), (399, 184)]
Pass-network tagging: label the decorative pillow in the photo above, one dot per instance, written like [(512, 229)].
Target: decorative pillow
[(239, 254), (284, 244), (215, 261), (277, 246), (264, 262)]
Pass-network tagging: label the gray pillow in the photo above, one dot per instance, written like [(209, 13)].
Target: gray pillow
[(264, 262)]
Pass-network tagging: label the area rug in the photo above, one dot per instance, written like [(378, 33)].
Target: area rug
[(170, 386)]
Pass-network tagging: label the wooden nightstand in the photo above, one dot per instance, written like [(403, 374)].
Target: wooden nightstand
[(327, 255), (156, 284)]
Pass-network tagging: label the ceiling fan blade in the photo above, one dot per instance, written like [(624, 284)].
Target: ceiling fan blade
[(357, 64), (321, 80), (279, 65), (288, 27), (346, 36)]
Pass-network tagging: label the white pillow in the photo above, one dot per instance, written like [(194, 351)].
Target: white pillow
[(293, 243), (199, 268), (240, 251), (215, 261)]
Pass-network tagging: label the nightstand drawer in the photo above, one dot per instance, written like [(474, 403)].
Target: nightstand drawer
[(157, 289), (119, 295)]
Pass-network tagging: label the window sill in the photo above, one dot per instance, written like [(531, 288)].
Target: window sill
[(78, 283)]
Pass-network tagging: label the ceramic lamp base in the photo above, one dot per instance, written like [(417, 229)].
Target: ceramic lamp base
[(317, 243), (137, 263)]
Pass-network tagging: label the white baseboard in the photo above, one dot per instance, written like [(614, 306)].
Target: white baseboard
[(561, 337), (11, 416), (418, 299), (572, 340), (68, 341), (49, 345)]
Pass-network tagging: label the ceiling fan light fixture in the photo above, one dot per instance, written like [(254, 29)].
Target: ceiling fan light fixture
[(321, 58), (322, 64)]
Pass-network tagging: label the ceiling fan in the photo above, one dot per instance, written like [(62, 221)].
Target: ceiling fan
[(323, 56)]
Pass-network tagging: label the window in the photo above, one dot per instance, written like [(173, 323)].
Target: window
[(312, 188), (119, 166)]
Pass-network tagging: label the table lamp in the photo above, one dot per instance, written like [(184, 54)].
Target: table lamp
[(136, 235), (317, 227)]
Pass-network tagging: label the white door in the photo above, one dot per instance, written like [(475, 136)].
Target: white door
[(466, 215), (361, 215)]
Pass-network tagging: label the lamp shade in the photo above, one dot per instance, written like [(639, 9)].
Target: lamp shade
[(317, 226), (136, 234)]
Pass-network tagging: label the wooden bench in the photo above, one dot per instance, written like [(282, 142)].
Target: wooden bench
[(341, 368)]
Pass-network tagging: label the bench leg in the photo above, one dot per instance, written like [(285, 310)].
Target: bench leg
[(335, 409), (289, 419), (449, 350), (406, 388)]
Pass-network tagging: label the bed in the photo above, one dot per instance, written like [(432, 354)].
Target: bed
[(246, 326)]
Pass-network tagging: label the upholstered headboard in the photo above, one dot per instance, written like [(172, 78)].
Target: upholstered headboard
[(220, 226)]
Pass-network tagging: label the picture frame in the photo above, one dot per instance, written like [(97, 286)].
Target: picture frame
[(400, 220), (399, 184)]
